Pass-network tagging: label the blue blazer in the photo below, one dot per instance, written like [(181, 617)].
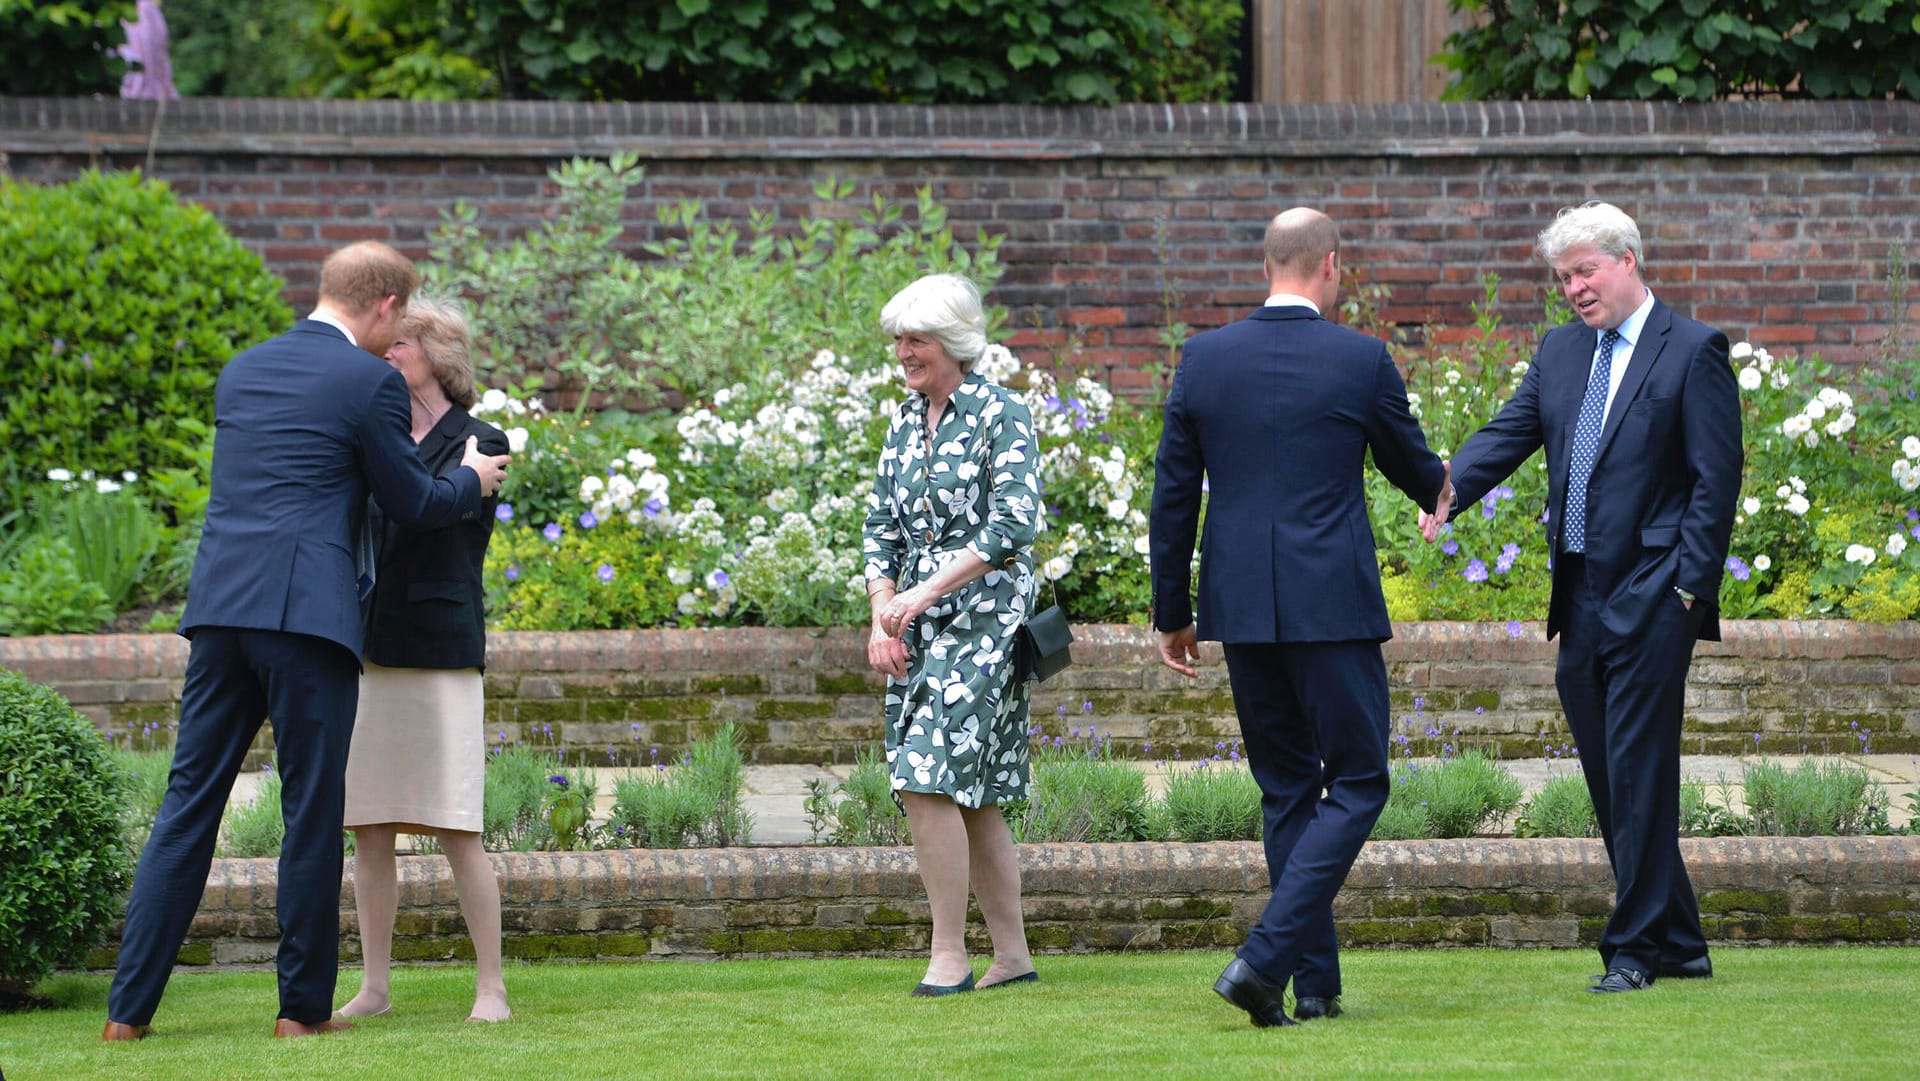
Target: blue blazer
[(306, 425), (1278, 412), (1661, 499)]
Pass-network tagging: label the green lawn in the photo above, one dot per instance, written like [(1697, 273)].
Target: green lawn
[(1814, 1013)]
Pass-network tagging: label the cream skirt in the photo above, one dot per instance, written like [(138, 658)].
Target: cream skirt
[(418, 755)]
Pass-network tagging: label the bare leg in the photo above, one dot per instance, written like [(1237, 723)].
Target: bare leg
[(479, 889), (376, 893), (939, 838), (996, 885)]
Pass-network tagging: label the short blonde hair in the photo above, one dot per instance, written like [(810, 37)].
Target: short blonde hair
[(439, 327), (946, 308), (361, 275), (1594, 223)]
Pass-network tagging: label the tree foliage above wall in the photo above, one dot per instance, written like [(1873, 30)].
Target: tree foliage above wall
[(1687, 50), (62, 47)]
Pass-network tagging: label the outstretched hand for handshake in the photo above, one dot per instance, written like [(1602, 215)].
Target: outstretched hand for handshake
[(492, 468), (1430, 523)]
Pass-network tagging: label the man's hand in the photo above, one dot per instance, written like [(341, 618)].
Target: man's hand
[(886, 654), (1430, 523), (492, 468), (1180, 650)]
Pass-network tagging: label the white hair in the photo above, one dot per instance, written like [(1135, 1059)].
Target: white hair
[(1596, 224), (946, 308)]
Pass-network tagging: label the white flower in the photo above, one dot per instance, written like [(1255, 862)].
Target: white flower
[(1141, 545), (1116, 508), (1816, 409), (687, 603), (1798, 484), (492, 401), (1861, 554), (106, 486), (1795, 426), (1841, 424), (1797, 504), (1056, 568), (1835, 399), (1910, 446), (516, 440), (679, 576), (1750, 379), (1896, 543), (61, 475), (1740, 350), (1762, 562), (1751, 505), (1783, 491), (1811, 439), (129, 476), (1778, 380)]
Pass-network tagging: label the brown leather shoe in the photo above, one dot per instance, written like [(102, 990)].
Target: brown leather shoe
[(117, 1031), (286, 1027)]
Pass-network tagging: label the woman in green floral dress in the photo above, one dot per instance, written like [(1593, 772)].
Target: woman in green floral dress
[(949, 570)]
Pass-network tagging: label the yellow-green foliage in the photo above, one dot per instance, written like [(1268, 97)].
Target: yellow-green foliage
[(1404, 601), (1883, 596)]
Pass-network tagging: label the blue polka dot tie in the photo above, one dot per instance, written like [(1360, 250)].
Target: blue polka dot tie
[(1586, 443)]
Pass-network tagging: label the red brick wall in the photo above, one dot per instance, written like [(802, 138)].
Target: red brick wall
[(813, 902), (601, 695), (1771, 220)]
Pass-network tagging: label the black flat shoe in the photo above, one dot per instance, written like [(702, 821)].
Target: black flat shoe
[(1700, 968), (1313, 1007), (1618, 980), (1024, 977), (1243, 987), (934, 990)]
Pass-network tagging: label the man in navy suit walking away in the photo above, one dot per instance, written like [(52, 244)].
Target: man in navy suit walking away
[(1274, 415), (306, 426), (1639, 414)]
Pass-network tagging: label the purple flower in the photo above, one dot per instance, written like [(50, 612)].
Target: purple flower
[(605, 573), (504, 512), (559, 779), (1476, 571), (1513, 628), (588, 520), (513, 572), (721, 579), (1087, 706), (653, 508), (552, 532), (59, 346), (1450, 546), (1503, 492), (1739, 568)]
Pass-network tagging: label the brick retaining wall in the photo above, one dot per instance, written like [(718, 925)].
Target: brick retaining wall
[(1770, 220), (807, 697), (810, 902)]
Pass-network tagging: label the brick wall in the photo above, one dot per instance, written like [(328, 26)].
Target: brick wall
[(801, 902), (605, 696), (1771, 220)]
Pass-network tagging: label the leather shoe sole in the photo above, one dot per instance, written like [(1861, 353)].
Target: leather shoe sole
[(287, 1028), (1243, 987), (117, 1031), (1313, 1007)]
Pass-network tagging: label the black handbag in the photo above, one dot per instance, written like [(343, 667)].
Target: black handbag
[(1041, 645)]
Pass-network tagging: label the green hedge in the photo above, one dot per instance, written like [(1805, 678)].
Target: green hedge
[(65, 860), (1689, 50), (122, 305)]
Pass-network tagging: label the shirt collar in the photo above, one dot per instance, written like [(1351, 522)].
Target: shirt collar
[(1291, 300), (1629, 327), (326, 315)]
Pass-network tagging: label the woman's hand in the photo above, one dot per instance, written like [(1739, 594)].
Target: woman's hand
[(886, 654), (899, 613)]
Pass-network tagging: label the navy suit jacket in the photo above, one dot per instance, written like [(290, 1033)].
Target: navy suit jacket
[(1278, 412), (306, 425), (1666, 478)]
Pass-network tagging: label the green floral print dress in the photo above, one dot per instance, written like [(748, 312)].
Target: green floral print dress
[(957, 724)]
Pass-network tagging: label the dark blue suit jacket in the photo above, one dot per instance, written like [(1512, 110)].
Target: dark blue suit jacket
[(1661, 499), (306, 425), (1278, 411)]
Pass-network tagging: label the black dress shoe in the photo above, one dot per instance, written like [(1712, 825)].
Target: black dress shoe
[(1618, 980), (934, 990), (1313, 1007), (1024, 977), (1700, 968), (1243, 987)]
